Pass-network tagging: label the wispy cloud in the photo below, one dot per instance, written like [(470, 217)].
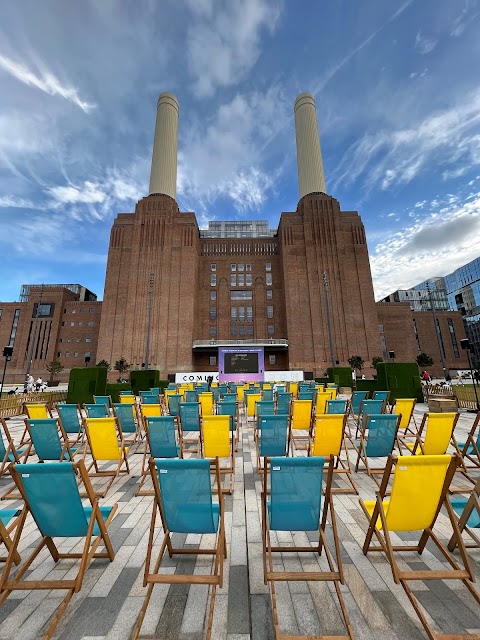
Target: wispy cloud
[(466, 16), (45, 81), (425, 44)]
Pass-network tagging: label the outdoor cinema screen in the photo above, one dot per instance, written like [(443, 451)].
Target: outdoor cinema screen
[(241, 363)]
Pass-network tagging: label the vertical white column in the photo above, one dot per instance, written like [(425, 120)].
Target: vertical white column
[(163, 175), (309, 155)]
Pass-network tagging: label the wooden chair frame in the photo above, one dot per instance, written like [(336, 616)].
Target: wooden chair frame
[(302, 437), (86, 556), (138, 435), (5, 538), (335, 574), (5, 463), (472, 503), (362, 450), (472, 442), (404, 576), (81, 433), (198, 439), (230, 470), (418, 444), (24, 439), (219, 552)]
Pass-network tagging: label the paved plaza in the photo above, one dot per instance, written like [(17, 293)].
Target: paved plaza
[(113, 593)]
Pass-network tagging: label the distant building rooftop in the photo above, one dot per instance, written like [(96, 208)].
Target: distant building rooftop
[(83, 293), (238, 229)]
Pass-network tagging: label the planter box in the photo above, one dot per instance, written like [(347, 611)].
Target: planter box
[(53, 383), (345, 390), (443, 405)]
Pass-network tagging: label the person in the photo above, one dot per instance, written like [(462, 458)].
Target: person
[(29, 382), (209, 381), (38, 384), (426, 377)]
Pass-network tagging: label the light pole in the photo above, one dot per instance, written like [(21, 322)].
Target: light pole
[(465, 344), (150, 298), (437, 329), (329, 319), (32, 344), (7, 354)]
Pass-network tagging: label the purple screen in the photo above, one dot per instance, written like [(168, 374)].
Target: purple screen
[(240, 365)]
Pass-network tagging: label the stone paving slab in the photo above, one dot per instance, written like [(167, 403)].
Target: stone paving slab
[(112, 593)]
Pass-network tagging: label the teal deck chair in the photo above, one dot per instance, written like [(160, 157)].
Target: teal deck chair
[(173, 401), (216, 395), (262, 407), (470, 449), (295, 504), (305, 394), (190, 395), (70, 417), (51, 495), (272, 437), (368, 407), (183, 498), (337, 406), (155, 391), (356, 401), (222, 390), (106, 400), (281, 388), (49, 440), (267, 395), (283, 402), (149, 398), (162, 436), (381, 395), (97, 410), (189, 414), (230, 408), (8, 454), (8, 523), (377, 439), (230, 397), (129, 423), (468, 512)]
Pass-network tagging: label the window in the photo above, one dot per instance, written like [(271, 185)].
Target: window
[(233, 280), (233, 267), (69, 339), (248, 280), (268, 279), (241, 280), (268, 266), (75, 355), (213, 313), (43, 310), (80, 324), (241, 313), (88, 339), (213, 295), (269, 294), (213, 267), (241, 330), (250, 329), (241, 295), (63, 324), (272, 359), (233, 330), (453, 337), (248, 267), (249, 314), (91, 311), (77, 340), (213, 330), (59, 353), (270, 312), (233, 314), (87, 354), (74, 311), (81, 310), (64, 311), (91, 323), (270, 329), (213, 280), (213, 360), (67, 354), (241, 266), (72, 324)]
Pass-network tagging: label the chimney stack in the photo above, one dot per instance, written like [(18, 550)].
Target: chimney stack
[(163, 175), (309, 155)]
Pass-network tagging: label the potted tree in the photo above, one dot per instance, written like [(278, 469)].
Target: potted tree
[(54, 368), (121, 366)]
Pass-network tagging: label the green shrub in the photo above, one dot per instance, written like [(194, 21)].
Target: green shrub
[(342, 376), (113, 390), (402, 379), (143, 380), (85, 383)]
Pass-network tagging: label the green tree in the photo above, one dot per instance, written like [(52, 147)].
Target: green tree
[(356, 362), (104, 363), (423, 360), (375, 361), (54, 367), (121, 366)]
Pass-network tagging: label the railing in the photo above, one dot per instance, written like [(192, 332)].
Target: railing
[(437, 390), (465, 396), (243, 343), (14, 405)]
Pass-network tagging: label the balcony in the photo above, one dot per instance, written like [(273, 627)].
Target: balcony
[(268, 343)]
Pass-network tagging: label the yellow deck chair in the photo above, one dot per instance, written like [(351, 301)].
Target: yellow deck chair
[(127, 399), (301, 420), (252, 398), (206, 402), (405, 406), (320, 388), (329, 440), (293, 388), (419, 490), (38, 411), (106, 443), (332, 391), (218, 442), (321, 403), (241, 393), (439, 433)]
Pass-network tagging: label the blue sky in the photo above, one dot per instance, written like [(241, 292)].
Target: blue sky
[(397, 90)]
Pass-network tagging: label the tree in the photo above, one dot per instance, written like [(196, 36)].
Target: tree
[(423, 360), (356, 362), (121, 366), (104, 363), (54, 367), (375, 361)]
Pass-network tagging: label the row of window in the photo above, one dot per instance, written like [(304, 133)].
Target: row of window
[(80, 310), (238, 313), (90, 323), (240, 280), (76, 340), (75, 354), (238, 267)]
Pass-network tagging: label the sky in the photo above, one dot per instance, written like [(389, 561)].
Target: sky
[(397, 91)]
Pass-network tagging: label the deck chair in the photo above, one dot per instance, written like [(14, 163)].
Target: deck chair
[(378, 437), (35, 410), (405, 407), (184, 500), (306, 394), (293, 389), (50, 441), (296, 505), (70, 416), (272, 438), (52, 497), (321, 402), (438, 430), (262, 407), (368, 407), (328, 440), (230, 408), (150, 398), (106, 400), (9, 454), (301, 420), (267, 394), (190, 395), (164, 440), (206, 403), (106, 443), (148, 411), (470, 449), (190, 422), (283, 403), (155, 391), (337, 406), (419, 491), (381, 395), (218, 442), (127, 416), (356, 402), (251, 400), (8, 522), (468, 512), (332, 391), (97, 410)]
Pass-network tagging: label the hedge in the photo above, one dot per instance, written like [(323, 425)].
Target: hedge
[(143, 380), (113, 390), (85, 383), (402, 379)]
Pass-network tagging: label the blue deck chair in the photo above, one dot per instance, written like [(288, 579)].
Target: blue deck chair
[(50, 440), (262, 407), (8, 454), (222, 390), (368, 407), (295, 504), (216, 395), (378, 437), (106, 400), (149, 398), (230, 397), (305, 394), (164, 440), (283, 402), (97, 410), (183, 498), (356, 401), (470, 449), (190, 395), (70, 417), (155, 391), (381, 395), (468, 512), (267, 395), (8, 522), (281, 388), (229, 407), (52, 497), (272, 437), (337, 406), (127, 415), (189, 414)]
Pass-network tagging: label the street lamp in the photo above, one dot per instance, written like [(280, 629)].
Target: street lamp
[(436, 326), (465, 344), (7, 354)]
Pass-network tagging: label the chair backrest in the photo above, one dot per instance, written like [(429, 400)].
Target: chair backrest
[(150, 398), (252, 399), (145, 394), (190, 416), (356, 400), (283, 402), (371, 406), (293, 388), (216, 436), (3, 447), (96, 410), (186, 495), (381, 395), (296, 493), (126, 415), (190, 395), (37, 410), (155, 391), (382, 431), (416, 491), (127, 398), (149, 410), (267, 394), (305, 394), (281, 388), (321, 403), (332, 391), (106, 400), (45, 438), (103, 439), (53, 498), (227, 408), (336, 406), (328, 436), (206, 402), (161, 436), (405, 407), (301, 414), (273, 435), (69, 417), (439, 430), (173, 402), (264, 407)]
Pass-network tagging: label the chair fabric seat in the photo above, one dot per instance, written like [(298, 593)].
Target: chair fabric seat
[(458, 505), (294, 523), (105, 511), (6, 515), (370, 506), (469, 450), (11, 457), (188, 525)]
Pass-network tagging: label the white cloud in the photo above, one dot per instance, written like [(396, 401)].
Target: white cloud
[(224, 40), (17, 203), (45, 81), (425, 44), (465, 18)]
